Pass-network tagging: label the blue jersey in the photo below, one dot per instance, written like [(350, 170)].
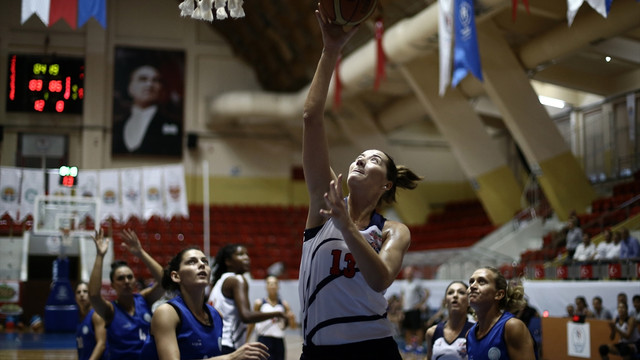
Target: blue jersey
[(126, 333), (195, 340), (493, 345), (86, 338)]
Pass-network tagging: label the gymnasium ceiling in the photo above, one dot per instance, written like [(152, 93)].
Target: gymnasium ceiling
[(280, 41)]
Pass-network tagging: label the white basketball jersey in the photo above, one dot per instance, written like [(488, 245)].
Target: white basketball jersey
[(338, 306), (234, 331)]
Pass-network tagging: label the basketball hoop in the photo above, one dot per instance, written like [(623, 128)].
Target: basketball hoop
[(204, 9)]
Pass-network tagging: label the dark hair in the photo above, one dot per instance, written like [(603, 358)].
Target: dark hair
[(80, 283), (635, 297), (513, 299), (174, 265), (400, 176), (582, 299), (597, 298), (220, 265), (115, 266)]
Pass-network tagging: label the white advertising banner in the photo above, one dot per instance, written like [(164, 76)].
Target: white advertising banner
[(578, 340)]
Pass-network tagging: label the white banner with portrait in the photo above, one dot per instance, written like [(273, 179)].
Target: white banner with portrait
[(579, 340)]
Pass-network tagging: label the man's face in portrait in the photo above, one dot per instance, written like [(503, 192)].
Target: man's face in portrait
[(145, 86)]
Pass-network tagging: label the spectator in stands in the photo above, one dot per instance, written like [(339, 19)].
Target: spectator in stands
[(574, 236), (447, 339), (128, 317), (636, 309), (603, 246), (442, 314), (414, 297), (498, 334), (625, 326), (230, 296), (527, 313), (629, 246), (571, 311), (582, 307), (185, 327), (599, 312), (613, 251), (586, 250), (395, 314)]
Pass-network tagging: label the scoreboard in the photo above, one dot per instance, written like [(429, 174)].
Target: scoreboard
[(45, 83)]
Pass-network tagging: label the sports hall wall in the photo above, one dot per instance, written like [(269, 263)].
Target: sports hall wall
[(242, 170)]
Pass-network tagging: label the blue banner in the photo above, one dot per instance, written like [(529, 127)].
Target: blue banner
[(92, 8), (466, 56)]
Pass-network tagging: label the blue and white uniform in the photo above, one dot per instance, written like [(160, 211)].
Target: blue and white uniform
[(234, 331), (338, 306), (195, 339), (441, 349), (86, 338), (126, 334)]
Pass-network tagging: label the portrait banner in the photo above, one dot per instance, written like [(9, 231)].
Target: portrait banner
[(148, 99)]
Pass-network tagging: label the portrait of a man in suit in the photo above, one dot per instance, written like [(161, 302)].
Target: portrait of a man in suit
[(148, 102)]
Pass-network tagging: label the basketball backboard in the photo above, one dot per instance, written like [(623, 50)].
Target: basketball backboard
[(57, 214)]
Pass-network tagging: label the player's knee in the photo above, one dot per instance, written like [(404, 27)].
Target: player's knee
[(604, 350)]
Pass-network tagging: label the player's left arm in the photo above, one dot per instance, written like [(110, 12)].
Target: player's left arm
[(518, 340)]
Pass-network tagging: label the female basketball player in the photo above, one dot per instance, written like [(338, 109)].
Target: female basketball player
[(91, 336), (498, 334), (446, 340), (185, 327), (230, 296), (351, 254), (128, 317)]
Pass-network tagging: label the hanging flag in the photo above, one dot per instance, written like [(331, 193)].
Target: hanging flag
[(514, 8), (466, 56), (131, 180), (66, 10), (32, 186), (631, 113), (87, 181), (10, 178), (92, 8), (601, 6), (153, 198), (337, 95), (38, 7), (109, 194), (381, 60), (175, 191), (445, 32)]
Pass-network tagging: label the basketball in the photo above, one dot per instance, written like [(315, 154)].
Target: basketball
[(348, 12)]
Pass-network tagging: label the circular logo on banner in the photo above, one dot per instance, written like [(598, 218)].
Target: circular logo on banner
[(9, 194)]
